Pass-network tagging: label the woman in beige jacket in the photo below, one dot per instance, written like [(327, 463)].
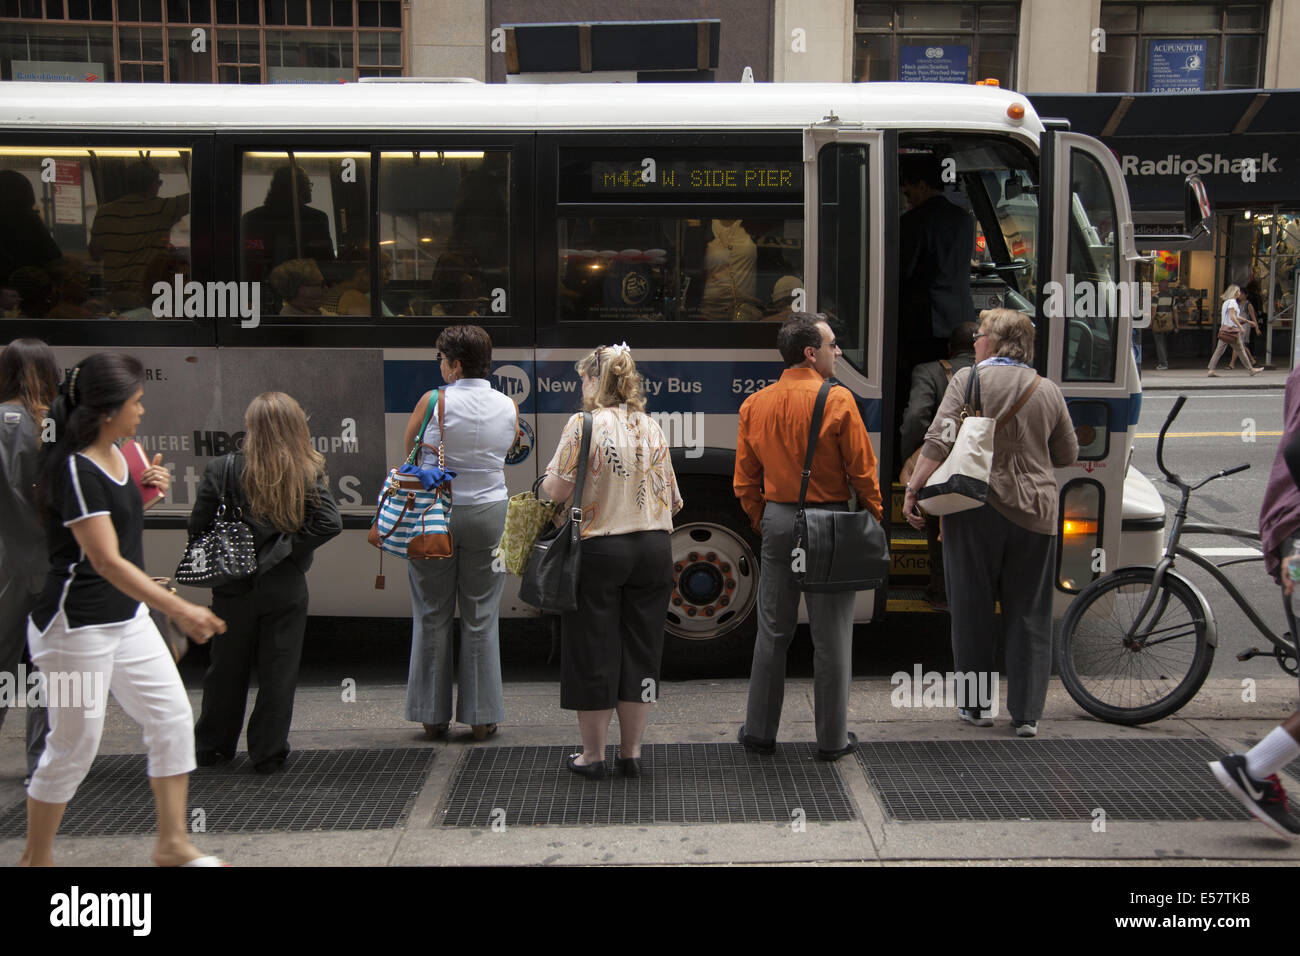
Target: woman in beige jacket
[(1004, 550)]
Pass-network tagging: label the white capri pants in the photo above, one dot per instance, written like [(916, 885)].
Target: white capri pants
[(132, 661)]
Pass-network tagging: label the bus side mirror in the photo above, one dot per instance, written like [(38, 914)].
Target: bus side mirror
[(1198, 218)]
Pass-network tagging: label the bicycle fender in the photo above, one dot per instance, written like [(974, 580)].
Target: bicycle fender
[(1211, 628)]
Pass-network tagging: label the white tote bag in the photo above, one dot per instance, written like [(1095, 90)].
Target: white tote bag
[(962, 481)]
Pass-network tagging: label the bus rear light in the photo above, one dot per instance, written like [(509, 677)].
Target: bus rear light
[(1079, 542)]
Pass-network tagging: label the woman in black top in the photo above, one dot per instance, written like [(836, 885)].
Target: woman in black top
[(89, 631), (278, 483)]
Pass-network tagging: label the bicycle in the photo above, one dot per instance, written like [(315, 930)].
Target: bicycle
[(1137, 644)]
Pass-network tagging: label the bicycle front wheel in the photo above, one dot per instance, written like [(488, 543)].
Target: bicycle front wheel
[(1129, 675)]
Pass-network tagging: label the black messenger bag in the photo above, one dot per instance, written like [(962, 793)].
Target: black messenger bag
[(835, 550)]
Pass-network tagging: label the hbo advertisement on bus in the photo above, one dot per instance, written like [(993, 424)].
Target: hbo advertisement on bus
[(195, 400)]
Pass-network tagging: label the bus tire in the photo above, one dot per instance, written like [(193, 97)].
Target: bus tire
[(713, 611)]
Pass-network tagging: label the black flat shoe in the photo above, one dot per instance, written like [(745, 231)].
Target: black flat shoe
[(592, 771), (629, 766), (837, 754), (753, 744), (210, 758)]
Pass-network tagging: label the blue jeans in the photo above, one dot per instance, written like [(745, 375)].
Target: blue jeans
[(437, 586)]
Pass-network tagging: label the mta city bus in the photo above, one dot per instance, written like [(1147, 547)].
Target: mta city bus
[(315, 239)]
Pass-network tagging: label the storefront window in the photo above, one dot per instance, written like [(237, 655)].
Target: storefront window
[(944, 42), (1180, 47)]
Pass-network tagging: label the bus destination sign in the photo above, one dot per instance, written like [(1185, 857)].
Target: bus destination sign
[(685, 177)]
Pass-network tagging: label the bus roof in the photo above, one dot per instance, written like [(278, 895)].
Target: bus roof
[(517, 107)]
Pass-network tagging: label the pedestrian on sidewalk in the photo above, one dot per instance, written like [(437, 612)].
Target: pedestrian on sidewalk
[(1230, 332), (1003, 551), (611, 646), (771, 444), (1252, 777), (278, 484), (90, 620), (29, 382), (481, 426)]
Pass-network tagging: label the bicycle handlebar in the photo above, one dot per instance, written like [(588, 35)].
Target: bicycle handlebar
[(1160, 445)]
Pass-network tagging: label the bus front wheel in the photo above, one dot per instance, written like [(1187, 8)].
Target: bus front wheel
[(712, 614)]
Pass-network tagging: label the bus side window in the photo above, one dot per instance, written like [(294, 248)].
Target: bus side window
[(304, 231), (445, 232), (87, 232)]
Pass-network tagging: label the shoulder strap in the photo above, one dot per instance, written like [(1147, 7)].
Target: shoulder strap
[(973, 392), (441, 428), (227, 498), (813, 431), (584, 453), (419, 436), (947, 368), (1021, 403)]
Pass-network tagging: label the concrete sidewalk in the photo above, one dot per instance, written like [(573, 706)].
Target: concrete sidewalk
[(1184, 377), (709, 712)]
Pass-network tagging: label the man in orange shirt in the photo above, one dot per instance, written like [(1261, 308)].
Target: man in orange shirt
[(771, 445)]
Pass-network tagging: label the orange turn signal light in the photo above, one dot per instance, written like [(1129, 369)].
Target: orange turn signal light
[(1016, 111)]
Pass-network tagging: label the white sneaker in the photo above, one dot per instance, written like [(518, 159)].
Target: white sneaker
[(980, 718), (1027, 729)]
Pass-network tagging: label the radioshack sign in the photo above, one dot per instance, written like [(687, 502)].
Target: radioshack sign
[(1259, 168)]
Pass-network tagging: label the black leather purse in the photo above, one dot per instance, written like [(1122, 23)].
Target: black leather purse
[(225, 553), (550, 580), (835, 550)]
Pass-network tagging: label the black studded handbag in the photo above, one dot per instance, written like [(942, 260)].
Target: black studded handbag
[(225, 553)]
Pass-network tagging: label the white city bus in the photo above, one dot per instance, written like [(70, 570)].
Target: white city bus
[(559, 218)]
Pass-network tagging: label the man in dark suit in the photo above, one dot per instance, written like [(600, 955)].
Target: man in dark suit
[(929, 382), (936, 244)]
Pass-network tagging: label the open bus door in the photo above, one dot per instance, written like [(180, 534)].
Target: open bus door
[(847, 275), (1087, 301)]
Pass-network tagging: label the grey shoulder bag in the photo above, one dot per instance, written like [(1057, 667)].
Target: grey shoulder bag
[(550, 580), (835, 550)]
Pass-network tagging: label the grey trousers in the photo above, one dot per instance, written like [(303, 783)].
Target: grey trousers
[(17, 597), (988, 559), (437, 586), (830, 618)]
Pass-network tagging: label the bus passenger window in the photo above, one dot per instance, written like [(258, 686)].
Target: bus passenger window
[(304, 230), (87, 232), (653, 269), (445, 232)]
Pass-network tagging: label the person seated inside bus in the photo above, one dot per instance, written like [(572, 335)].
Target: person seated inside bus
[(36, 293), (455, 289), (730, 275), (129, 231), (72, 291), (163, 267), (299, 286), (783, 299), (283, 228), (24, 239)]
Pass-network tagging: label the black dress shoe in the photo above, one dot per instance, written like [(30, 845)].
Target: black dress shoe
[(592, 771), (270, 764), (210, 758), (753, 744), (629, 766), (837, 754)]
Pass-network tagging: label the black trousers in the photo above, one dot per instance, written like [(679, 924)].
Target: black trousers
[(612, 644), (264, 629)]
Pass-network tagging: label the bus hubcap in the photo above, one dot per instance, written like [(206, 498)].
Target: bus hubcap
[(715, 581)]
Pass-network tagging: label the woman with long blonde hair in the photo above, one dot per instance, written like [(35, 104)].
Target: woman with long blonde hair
[(1232, 323), (278, 482)]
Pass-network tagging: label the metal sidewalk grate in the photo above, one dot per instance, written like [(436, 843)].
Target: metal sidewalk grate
[(316, 790), (680, 783), (1047, 780)]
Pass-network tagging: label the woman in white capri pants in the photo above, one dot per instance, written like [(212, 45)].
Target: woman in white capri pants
[(1232, 319), (89, 632)]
